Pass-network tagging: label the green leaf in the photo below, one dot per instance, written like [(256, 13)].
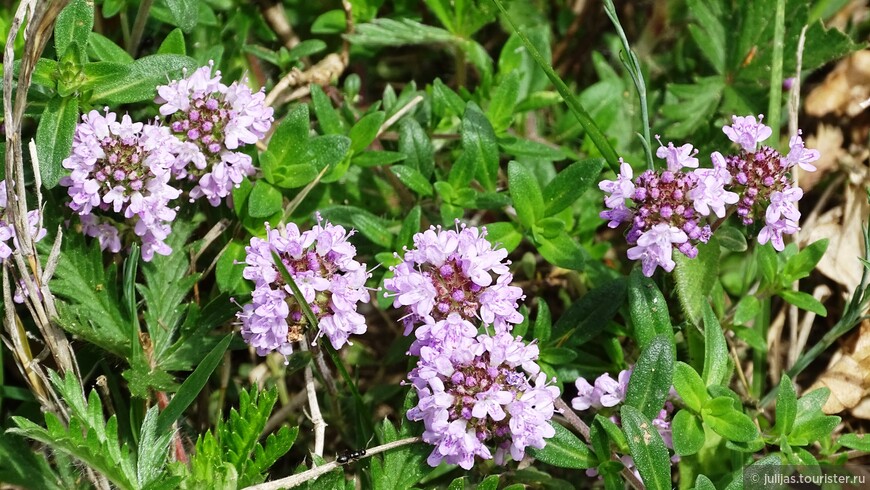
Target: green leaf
[(501, 106), (326, 114), (747, 309), (415, 144), (331, 22), (24, 467), (694, 104), (652, 377), (372, 228), (444, 99), (525, 193), (505, 234), (90, 309), (286, 176), (695, 278), (709, 34), (228, 273), (715, 350), (562, 251), (192, 386), (87, 437), (377, 158), (589, 316), (402, 467), (570, 184), (478, 140), (520, 147), (800, 265), (543, 323), (811, 424), (100, 72), (105, 49), (410, 226), (855, 441), (173, 44), (690, 386), (688, 433), (330, 151), (73, 26), (648, 308), (704, 483), (145, 75), (565, 450), (648, 450), (593, 131), (719, 414), (364, 131), (264, 200), (153, 449), (767, 263), (731, 239), (786, 406), (185, 13), (412, 178), (804, 301), (54, 137)]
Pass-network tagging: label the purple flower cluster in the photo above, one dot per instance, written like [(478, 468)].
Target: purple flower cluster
[(480, 395), (472, 397), (671, 208), (213, 120), (761, 177), (8, 240), (454, 271), (606, 392), (121, 171), (322, 264)]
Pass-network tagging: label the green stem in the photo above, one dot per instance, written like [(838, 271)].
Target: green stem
[(774, 107), (139, 26), (312, 321), (632, 64), (601, 142), (759, 358)]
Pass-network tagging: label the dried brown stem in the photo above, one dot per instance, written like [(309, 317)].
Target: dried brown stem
[(275, 16)]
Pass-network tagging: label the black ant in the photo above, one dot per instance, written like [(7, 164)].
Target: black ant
[(348, 456)]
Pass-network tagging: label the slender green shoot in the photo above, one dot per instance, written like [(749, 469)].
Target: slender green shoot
[(774, 108), (592, 129), (632, 65)]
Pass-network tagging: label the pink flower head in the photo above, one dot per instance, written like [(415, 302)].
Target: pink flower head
[(620, 189), (454, 272), (120, 171), (473, 401), (747, 132), (655, 248), (709, 194), (677, 157), (329, 278), (214, 120), (800, 155)]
